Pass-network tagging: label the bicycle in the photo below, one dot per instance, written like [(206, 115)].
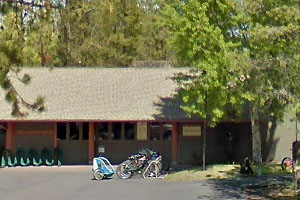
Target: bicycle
[(288, 162)]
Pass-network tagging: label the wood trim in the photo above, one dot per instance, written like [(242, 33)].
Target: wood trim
[(122, 131), (120, 121), (175, 143), (68, 131), (161, 131), (148, 131), (135, 131), (55, 136), (109, 130), (80, 127), (91, 141), (10, 137)]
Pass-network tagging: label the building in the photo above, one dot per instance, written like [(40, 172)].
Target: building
[(115, 112)]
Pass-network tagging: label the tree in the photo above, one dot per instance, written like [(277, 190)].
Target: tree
[(199, 41), (269, 36), (120, 22), (78, 30), (151, 44), (41, 38), (246, 52), (12, 41)]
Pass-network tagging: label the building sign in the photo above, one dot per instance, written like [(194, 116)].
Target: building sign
[(101, 149), (191, 130), (142, 130)]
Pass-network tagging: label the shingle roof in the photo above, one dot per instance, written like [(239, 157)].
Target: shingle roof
[(100, 94)]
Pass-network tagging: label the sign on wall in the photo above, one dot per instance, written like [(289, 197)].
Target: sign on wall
[(101, 149), (191, 131), (142, 130)]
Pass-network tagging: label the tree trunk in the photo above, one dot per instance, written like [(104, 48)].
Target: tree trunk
[(256, 137), (204, 133), (204, 145)]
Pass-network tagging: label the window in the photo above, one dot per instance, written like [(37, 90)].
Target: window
[(85, 131), (74, 131), (116, 131), (102, 131), (154, 131), (61, 131), (129, 131), (167, 132), (167, 135)]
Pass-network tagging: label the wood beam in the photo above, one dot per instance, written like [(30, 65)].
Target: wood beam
[(68, 131), (80, 127), (55, 135), (110, 136), (91, 141), (122, 131), (10, 137), (175, 143)]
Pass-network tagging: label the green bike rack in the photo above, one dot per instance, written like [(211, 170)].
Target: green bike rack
[(37, 161), (21, 157), (3, 162), (23, 163), (12, 161), (34, 157)]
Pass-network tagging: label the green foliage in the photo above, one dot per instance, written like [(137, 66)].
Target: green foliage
[(84, 33), (199, 39), (244, 53), (13, 44), (246, 49), (76, 33), (110, 33)]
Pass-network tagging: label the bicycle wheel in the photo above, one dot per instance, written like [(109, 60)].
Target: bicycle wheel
[(159, 167), (152, 170), (123, 171), (98, 175), (149, 171), (286, 162)]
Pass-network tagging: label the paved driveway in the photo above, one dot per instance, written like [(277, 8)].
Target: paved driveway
[(75, 183)]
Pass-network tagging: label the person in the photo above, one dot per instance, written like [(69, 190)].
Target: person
[(246, 168)]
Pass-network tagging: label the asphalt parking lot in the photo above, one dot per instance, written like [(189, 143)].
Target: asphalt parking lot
[(76, 183)]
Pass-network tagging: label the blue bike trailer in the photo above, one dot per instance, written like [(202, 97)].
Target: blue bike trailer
[(102, 168)]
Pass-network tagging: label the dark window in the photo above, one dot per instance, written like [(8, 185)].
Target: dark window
[(102, 131), (167, 131), (154, 131), (167, 135), (61, 131), (129, 131), (116, 130), (85, 131), (74, 131)]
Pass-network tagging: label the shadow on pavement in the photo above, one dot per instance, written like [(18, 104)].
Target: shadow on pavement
[(250, 188)]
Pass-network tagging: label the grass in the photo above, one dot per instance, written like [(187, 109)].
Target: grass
[(222, 172), (271, 169)]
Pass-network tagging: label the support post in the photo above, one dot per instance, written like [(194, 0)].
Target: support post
[(175, 143), (110, 136), (80, 127), (123, 131), (10, 137), (91, 142), (55, 135)]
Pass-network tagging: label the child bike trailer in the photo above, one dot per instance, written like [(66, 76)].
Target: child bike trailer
[(102, 168)]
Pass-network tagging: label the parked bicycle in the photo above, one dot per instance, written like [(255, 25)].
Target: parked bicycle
[(146, 162), (288, 162)]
